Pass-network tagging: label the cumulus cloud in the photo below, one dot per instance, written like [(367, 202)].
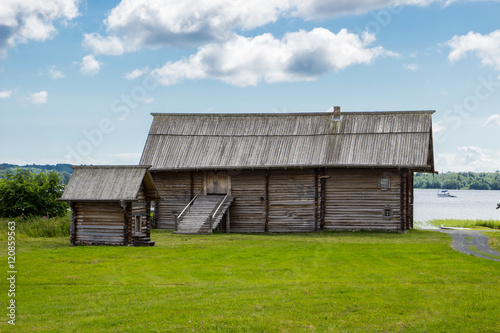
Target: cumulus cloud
[(39, 97), (55, 73), (25, 20), (136, 73), (485, 47), (470, 158), (5, 93), (159, 22), (298, 56), (110, 45), (133, 24), (494, 120), (89, 66)]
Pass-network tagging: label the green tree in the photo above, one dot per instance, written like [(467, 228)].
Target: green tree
[(452, 184), (479, 185), (24, 193)]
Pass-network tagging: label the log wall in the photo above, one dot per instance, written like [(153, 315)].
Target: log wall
[(142, 208), (291, 200), (353, 199), (297, 200), (98, 223), (248, 210), (175, 193)]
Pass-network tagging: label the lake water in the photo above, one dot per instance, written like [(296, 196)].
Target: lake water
[(469, 204)]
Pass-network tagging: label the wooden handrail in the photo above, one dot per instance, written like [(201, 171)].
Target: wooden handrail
[(220, 205), (189, 204)]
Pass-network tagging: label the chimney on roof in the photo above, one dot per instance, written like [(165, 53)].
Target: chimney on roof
[(336, 112)]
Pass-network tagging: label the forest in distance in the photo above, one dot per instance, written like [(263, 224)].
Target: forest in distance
[(448, 180), (458, 180)]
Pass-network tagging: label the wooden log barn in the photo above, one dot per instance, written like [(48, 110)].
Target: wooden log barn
[(287, 172), (110, 205)]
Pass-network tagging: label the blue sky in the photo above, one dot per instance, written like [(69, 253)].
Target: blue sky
[(79, 79)]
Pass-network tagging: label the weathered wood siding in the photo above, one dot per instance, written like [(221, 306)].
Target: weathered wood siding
[(298, 200), (175, 193), (142, 208), (248, 210), (176, 190), (291, 200), (99, 223), (353, 199)]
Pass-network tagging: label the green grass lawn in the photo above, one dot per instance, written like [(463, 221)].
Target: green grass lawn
[(339, 282)]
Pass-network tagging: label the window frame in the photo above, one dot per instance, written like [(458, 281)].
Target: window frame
[(384, 182)]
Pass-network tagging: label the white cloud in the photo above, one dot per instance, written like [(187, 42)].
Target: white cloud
[(148, 100), (159, 22), (5, 93), (82, 160), (128, 157), (412, 67), (110, 45), (298, 56), (12, 160), (486, 47), (89, 65), (133, 24), (136, 73), (25, 20), (494, 120), (469, 158), (321, 9), (55, 73), (39, 97), (438, 126)]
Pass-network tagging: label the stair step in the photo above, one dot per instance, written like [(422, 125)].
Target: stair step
[(196, 219), (143, 241)]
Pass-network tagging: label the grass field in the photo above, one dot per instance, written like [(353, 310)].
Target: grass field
[(340, 282), (492, 224)]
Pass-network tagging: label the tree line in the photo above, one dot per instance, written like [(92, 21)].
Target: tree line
[(64, 170), (459, 180)]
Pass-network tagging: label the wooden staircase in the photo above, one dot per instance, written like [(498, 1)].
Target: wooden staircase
[(143, 241), (196, 219)]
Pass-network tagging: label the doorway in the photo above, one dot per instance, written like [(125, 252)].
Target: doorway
[(217, 182)]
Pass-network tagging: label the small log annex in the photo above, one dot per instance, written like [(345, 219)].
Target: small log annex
[(110, 205), (287, 172)]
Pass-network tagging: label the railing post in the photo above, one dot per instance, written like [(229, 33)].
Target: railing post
[(211, 222), (176, 219)]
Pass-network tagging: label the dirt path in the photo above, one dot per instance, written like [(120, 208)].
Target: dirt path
[(472, 242)]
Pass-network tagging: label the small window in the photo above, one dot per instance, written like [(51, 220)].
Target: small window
[(384, 183), (137, 226), (387, 213)]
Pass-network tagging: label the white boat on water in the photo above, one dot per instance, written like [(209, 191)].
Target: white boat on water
[(445, 194)]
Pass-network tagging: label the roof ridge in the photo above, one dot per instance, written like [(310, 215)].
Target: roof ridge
[(271, 114), (286, 135)]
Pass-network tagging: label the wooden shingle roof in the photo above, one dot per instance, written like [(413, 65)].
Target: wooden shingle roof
[(108, 183), (242, 141)]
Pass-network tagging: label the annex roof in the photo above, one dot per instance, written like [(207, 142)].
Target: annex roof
[(108, 183), (242, 141)]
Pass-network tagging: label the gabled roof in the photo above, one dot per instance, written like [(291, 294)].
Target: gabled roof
[(242, 141), (108, 183)]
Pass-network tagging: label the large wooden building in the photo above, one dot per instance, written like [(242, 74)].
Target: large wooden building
[(110, 205), (293, 172)]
